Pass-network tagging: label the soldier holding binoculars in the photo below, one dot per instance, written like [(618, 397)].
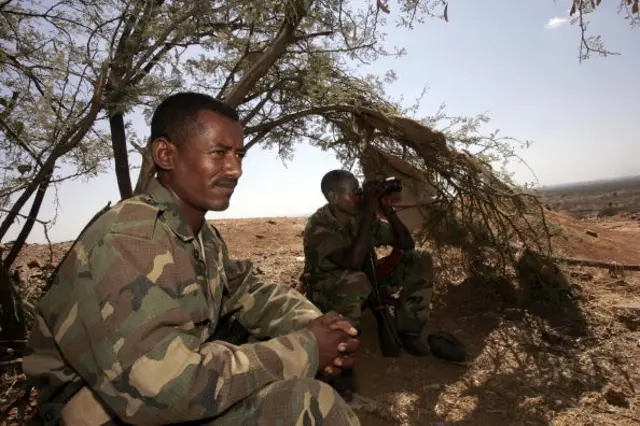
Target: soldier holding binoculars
[(338, 240)]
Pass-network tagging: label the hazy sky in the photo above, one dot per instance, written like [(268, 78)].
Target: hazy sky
[(515, 60)]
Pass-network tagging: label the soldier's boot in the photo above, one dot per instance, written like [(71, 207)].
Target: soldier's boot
[(417, 342), (440, 344), (446, 346), (415, 345)]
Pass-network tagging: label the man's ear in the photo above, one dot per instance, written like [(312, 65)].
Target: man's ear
[(163, 153), (331, 196)]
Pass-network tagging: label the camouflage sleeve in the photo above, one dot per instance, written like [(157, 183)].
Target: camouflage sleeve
[(127, 334), (320, 241), (265, 310), (382, 233)]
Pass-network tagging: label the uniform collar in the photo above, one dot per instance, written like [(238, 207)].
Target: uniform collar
[(161, 198), (334, 220)]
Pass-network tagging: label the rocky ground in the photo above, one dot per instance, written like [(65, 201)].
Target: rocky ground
[(574, 362)]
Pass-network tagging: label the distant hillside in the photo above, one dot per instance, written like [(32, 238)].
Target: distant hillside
[(598, 198), (590, 185)]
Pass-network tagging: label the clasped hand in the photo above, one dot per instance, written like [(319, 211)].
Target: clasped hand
[(336, 343)]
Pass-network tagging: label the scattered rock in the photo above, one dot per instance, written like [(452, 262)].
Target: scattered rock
[(552, 337), (516, 293), (615, 396), (22, 274), (575, 290), (591, 233), (392, 369), (259, 236), (35, 263), (271, 222), (581, 275), (535, 270)]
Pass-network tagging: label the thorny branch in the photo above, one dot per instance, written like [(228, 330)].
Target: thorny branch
[(593, 44)]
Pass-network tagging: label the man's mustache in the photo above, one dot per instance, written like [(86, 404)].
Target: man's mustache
[(225, 182)]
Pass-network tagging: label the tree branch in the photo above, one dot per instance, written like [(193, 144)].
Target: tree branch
[(298, 115), (297, 10), (68, 141), (313, 35), (28, 225), (256, 139)]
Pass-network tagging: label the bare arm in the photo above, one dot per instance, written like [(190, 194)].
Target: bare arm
[(354, 256), (402, 238)]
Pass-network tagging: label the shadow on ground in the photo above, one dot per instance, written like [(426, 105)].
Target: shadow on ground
[(525, 366)]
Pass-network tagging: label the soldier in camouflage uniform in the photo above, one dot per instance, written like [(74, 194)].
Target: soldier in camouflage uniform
[(337, 241), (124, 334)]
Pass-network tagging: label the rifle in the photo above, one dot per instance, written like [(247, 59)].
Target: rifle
[(385, 314)]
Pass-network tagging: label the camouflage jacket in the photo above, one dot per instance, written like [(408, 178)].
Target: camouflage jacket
[(324, 234), (130, 311)]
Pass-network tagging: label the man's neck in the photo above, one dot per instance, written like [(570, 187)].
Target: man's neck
[(196, 222), (195, 217)]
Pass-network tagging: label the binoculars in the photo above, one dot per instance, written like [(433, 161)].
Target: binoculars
[(389, 185)]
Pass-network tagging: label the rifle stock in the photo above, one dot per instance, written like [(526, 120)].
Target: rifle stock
[(390, 343)]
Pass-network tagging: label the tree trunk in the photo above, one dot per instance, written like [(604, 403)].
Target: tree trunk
[(45, 170), (147, 171), (120, 156), (28, 225), (13, 329)]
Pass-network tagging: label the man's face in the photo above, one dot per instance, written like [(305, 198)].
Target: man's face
[(207, 164), (345, 198)]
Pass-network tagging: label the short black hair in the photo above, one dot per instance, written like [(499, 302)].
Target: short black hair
[(174, 114), (333, 179)]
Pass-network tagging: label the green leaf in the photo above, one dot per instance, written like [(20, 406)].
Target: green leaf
[(18, 127)]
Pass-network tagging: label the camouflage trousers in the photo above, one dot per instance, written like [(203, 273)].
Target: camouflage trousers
[(294, 402), (346, 292)]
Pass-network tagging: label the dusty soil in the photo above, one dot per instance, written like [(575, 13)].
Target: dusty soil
[(570, 362)]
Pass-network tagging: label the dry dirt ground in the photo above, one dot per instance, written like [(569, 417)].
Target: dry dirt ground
[(570, 362)]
